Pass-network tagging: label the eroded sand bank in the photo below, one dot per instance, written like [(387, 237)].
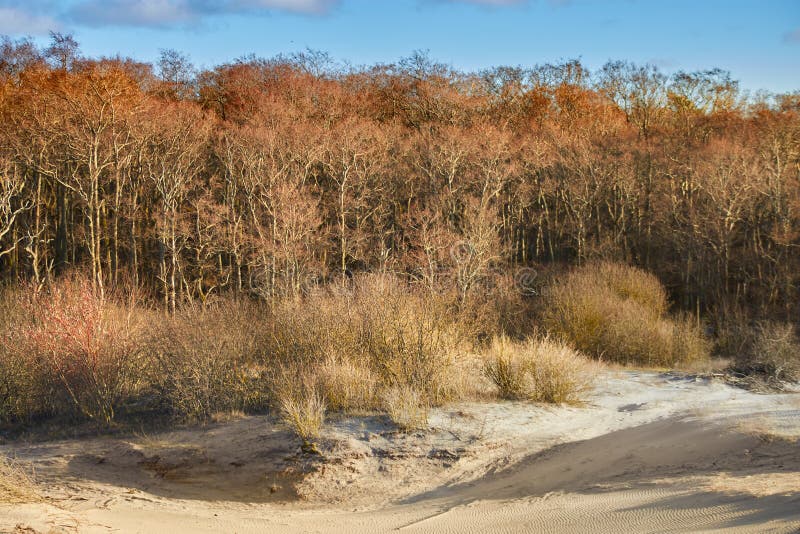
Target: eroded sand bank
[(647, 453)]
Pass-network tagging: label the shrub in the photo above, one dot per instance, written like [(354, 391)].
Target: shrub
[(734, 334), (503, 305), (22, 388), (410, 338), (690, 345), (29, 387), (406, 407), (559, 374), (634, 284), (375, 333), (775, 352), (619, 313), (67, 350), (84, 344), (541, 370), (208, 360), (16, 486)]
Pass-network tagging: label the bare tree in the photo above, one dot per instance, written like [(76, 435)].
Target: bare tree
[(11, 205)]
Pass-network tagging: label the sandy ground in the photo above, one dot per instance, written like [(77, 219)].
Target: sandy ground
[(647, 453)]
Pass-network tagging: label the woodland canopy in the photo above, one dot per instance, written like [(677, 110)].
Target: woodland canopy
[(261, 177)]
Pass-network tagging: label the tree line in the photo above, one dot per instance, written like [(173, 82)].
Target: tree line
[(262, 176)]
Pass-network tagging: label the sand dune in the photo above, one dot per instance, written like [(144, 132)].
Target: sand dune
[(650, 453)]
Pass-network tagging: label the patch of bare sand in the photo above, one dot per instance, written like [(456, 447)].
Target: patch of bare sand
[(639, 479), (648, 453)]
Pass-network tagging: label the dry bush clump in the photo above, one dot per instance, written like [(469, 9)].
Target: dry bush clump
[(775, 352), (79, 349), (73, 352), (209, 360), (356, 346), (406, 407), (28, 386), (734, 334), (410, 341), (540, 370), (373, 334), (634, 284), (618, 313), (22, 388), (764, 351), (17, 385), (502, 304), (309, 331), (16, 486), (690, 346), (560, 374), (11, 313)]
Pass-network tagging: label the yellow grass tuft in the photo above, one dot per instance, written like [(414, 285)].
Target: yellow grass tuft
[(16, 486), (406, 407), (541, 370)]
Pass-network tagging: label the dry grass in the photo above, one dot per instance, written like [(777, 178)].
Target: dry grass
[(507, 369), (16, 486), (540, 370), (300, 405), (618, 313), (302, 409), (304, 415), (375, 333), (406, 408), (346, 386), (559, 374)]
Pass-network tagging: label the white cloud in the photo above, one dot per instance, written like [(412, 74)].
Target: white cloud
[(492, 2), (132, 12), (297, 6), (501, 3), (15, 21), (165, 13), (489, 3), (39, 16)]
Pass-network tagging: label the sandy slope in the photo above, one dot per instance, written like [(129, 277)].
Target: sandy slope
[(649, 453)]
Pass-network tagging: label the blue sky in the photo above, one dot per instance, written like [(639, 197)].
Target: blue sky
[(757, 40)]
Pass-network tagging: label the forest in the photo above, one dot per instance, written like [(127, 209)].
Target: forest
[(262, 176)]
